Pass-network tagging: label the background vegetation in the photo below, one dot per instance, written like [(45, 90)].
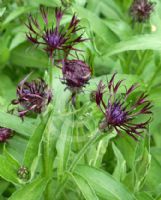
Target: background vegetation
[(114, 168)]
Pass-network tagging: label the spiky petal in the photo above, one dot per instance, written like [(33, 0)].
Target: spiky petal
[(141, 10), (32, 96), (120, 113), (54, 38), (76, 74)]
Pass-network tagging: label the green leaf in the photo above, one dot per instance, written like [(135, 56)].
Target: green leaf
[(8, 169), (97, 25), (16, 146), (110, 10), (141, 164), (4, 55), (105, 186), (10, 158), (144, 196), (155, 96), (113, 5), (51, 3), (15, 13), (17, 40), (139, 42), (96, 154), (31, 191), (63, 145), (127, 146), (153, 179), (87, 191), (3, 186), (33, 147), (15, 123), (62, 96), (120, 169), (25, 55), (48, 146), (6, 85), (2, 11), (120, 28)]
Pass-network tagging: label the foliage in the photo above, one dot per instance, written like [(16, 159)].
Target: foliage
[(62, 150)]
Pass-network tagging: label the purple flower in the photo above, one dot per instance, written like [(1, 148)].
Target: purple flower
[(141, 10), (54, 37), (5, 134), (32, 96), (119, 112), (76, 75)]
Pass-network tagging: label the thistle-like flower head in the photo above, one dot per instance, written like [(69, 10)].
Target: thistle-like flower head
[(54, 37), (5, 134), (119, 112), (76, 74), (32, 96), (141, 10)]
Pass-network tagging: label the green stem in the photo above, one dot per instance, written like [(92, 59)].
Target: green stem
[(50, 75), (47, 148), (79, 156), (81, 153), (50, 70)]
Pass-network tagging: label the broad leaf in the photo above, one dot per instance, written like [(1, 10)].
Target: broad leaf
[(87, 191), (31, 191), (104, 184)]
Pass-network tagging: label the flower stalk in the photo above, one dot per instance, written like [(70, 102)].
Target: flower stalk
[(79, 156)]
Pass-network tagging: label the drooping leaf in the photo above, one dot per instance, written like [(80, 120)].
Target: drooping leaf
[(15, 123)]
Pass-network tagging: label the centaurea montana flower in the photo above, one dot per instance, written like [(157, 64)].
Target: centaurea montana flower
[(32, 96), (76, 74), (120, 113), (54, 37), (141, 10)]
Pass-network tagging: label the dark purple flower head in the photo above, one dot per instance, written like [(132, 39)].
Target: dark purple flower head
[(141, 10), (76, 75), (32, 96), (5, 134), (55, 37), (119, 112)]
